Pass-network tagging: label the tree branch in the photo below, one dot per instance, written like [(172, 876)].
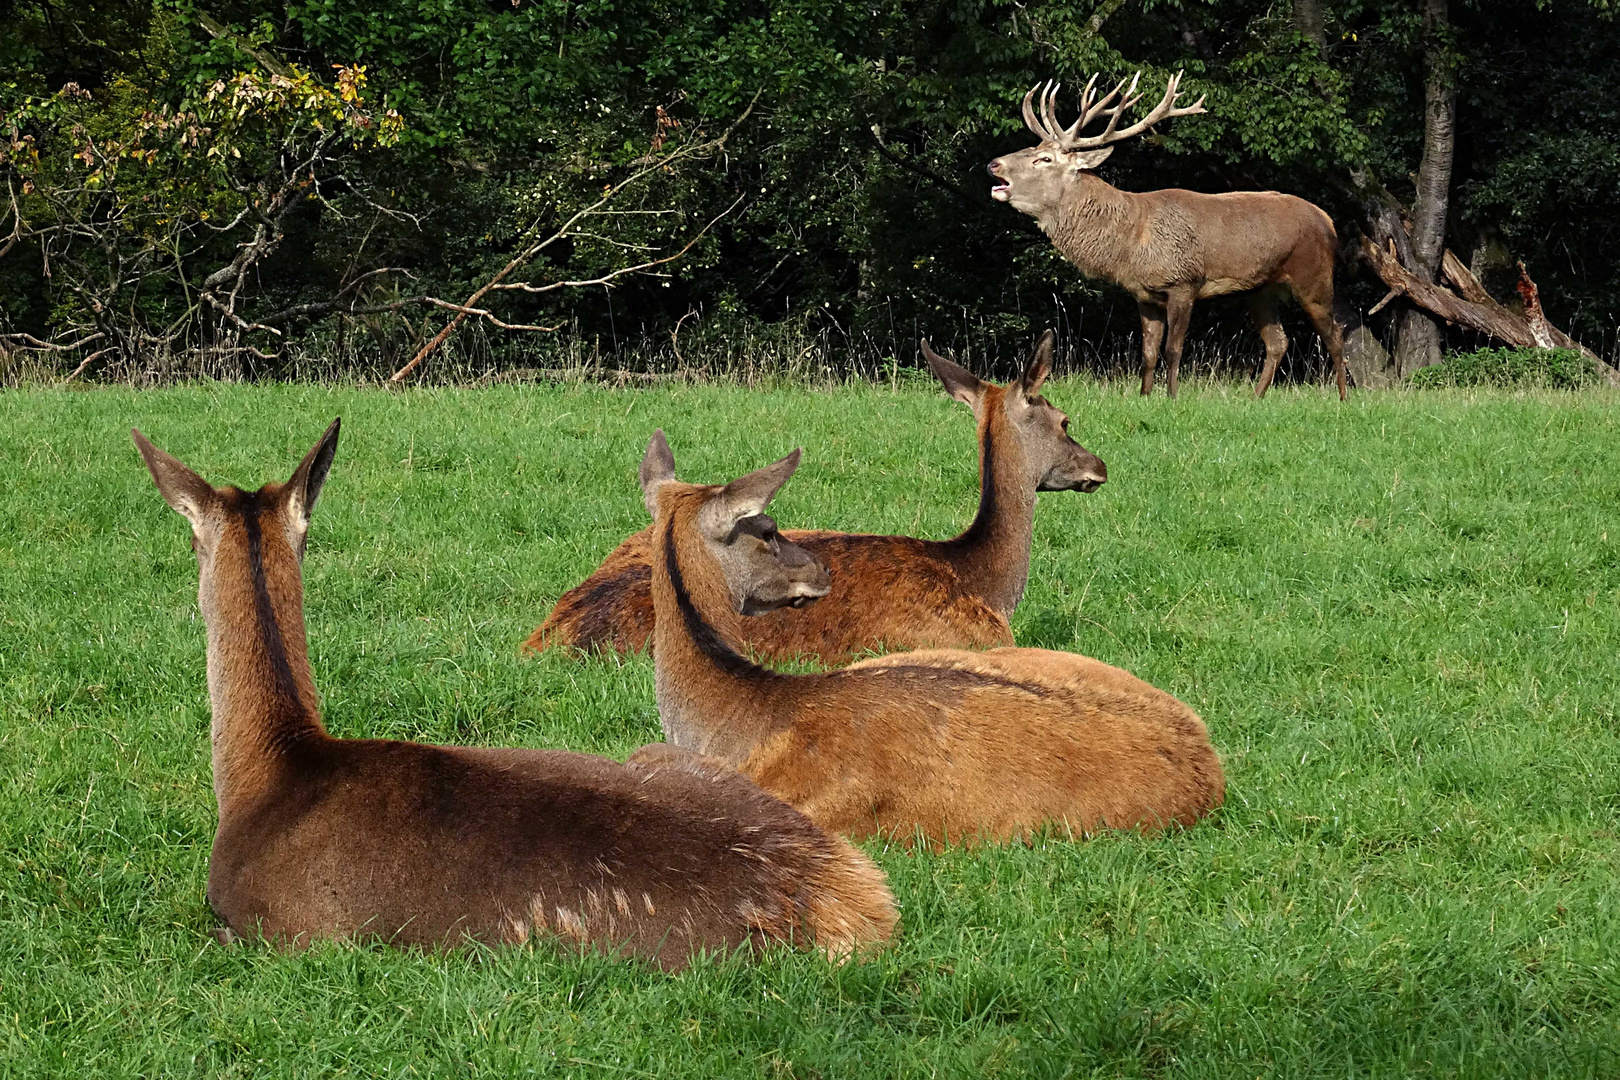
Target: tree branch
[(664, 162)]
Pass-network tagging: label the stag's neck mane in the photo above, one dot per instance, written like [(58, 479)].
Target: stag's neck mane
[(711, 699), (1096, 226), (265, 709), (992, 556)]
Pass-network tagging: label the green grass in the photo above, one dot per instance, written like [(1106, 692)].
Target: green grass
[(1399, 617)]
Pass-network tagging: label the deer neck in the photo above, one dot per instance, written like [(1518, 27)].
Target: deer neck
[(992, 556), (1095, 227), (711, 699), (259, 681)]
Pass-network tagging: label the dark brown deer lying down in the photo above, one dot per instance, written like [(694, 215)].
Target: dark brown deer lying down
[(956, 593), (953, 744), (430, 845)]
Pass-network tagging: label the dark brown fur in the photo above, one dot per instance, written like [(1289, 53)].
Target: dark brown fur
[(953, 744), (957, 593), (431, 845)]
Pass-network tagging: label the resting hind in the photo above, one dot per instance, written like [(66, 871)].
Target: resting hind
[(321, 837), (954, 593), (953, 744)]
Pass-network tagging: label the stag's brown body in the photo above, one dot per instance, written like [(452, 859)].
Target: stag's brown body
[(954, 745), (321, 837), (1171, 248), (957, 593)]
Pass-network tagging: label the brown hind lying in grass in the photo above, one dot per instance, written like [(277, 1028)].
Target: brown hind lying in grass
[(953, 744), (954, 593), (322, 837)]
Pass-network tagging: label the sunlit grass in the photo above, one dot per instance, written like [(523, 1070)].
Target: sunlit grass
[(1398, 616)]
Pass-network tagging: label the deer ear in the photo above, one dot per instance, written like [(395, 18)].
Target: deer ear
[(186, 492), (304, 487), (960, 383), (1039, 366), (749, 495), (1089, 159), (657, 469)]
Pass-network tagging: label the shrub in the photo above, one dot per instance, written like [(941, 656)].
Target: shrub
[(1558, 369)]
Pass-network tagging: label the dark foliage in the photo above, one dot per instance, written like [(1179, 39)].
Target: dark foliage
[(866, 212)]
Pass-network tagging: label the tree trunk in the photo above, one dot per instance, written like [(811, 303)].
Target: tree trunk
[(1417, 338), (1308, 20)]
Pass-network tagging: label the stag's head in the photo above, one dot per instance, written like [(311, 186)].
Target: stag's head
[(1036, 180)]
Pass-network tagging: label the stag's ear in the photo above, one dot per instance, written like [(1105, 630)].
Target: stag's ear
[(749, 495), (960, 383), (657, 469), (304, 487), (1039, 366), (189, 494), (1088, 159)]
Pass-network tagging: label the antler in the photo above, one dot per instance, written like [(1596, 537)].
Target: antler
[(1047, 128)]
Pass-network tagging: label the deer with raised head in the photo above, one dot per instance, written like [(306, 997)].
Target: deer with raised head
[(321, 837), (956, 593), (949, 744), (1172, 247)]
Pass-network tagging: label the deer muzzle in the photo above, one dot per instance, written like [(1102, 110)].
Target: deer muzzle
[(1001, 190)]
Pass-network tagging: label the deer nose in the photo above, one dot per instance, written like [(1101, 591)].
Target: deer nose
[(994, 168)]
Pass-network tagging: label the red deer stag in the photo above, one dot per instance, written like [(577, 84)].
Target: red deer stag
[(1169, 248), (955, 593), (952, 744), (322, 837)]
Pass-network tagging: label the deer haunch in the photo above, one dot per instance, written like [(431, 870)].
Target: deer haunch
[(954, 593), (431, 845), (1170, 248)]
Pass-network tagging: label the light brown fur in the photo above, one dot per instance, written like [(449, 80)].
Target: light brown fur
[(1172, 247), (956, 593), (322, 837), (952, 744)]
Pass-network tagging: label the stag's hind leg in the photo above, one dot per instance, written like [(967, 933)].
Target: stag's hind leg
[(1152, 337), (1263, 306), (1320, 310)]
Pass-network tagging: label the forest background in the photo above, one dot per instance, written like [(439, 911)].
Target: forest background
[(264, 189)]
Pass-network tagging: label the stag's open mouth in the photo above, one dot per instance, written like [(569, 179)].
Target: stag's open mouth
[(1001, 191)]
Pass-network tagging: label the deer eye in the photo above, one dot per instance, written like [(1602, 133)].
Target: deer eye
[(1065, 424)]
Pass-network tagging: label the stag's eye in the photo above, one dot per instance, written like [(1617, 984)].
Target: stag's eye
[(1065, 424)]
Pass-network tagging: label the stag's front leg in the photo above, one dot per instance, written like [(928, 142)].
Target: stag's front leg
[(1152, 336), (1177, 314)]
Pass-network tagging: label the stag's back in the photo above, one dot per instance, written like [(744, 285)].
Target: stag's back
[(1154, 240)]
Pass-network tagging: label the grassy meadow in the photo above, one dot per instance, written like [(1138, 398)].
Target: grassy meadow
[(1399, 617)]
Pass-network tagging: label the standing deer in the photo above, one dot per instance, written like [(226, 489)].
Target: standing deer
[(952, 744), (955, 593), (1169, 248), (322, 837)]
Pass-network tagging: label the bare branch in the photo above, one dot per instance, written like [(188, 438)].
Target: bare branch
[(76, 372), (34, 344), (608, 278), (681, 153)]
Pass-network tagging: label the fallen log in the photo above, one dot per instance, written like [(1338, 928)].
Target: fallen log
[(1474, 308)]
